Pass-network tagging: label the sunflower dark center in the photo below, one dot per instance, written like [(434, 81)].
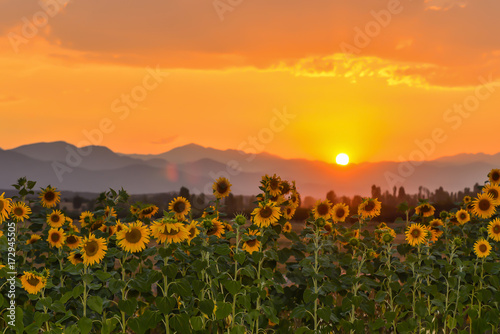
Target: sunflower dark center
[(463, 216), (192, 232), (222, 187), (484, 204), (425, 208), (266, 212), (147, 211), (55, 237), (213, 230), (55, 218), (328, 228), (252, 242), (369, 206), (340, 213), (18, 211), (71, 240), (274, 184), (323, 209), (33, 281), (78, 257), (133, 236), (415, 233), (179, 207), (493, 193), (173, 231), (483, 248), (91, 248), (495, 176), (49, 196), (496, 229), (285, 188), (2, 205)]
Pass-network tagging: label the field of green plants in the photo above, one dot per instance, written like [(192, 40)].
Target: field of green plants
[(170, 272)]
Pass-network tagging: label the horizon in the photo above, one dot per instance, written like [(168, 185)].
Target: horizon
[(374, 80), (229, 149)]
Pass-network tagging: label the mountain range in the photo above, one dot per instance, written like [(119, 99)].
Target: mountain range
[(97, 168)]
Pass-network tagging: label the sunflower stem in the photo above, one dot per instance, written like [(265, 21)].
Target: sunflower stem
[(124, 293), (85, 292), (165, 293)]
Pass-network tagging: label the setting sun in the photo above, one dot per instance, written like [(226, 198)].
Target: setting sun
[(342, 159)]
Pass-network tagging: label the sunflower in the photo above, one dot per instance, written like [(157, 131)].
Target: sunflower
[(462, 216), (482, 248), (369, 208), (216, 228), (180, 206), (221, 187), (56, 218), (49, 197), (33, 282), (289, 212), (294, 198), (5, 207), (494, 229), (322, 209), (73, 241), (340, 212), (193, 231), (328, 228), (425, 210), (97, 224), (252, 245), (56, 237), (109, 212), (134, 237), (34, 238), (71, 227), (467, 199), (492, 189), (484, 205), (20, 211), (86, 218), (134, 209), (416, 234), (169, 231), (278, 199), (272, 184), (93, 249), (266, 214), (382, 230), (210, 211), (148, 212), (285, 187), (110, 230), (432, 234), (75, 258), (287, 228), (435, 226), (119, 226), (494, 176)]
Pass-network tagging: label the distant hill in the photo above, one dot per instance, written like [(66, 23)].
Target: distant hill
[(96, 168)]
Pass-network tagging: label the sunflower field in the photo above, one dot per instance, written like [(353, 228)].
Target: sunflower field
[(170, 272)]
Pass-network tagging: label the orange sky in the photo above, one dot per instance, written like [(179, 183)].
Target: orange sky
[(227, 70)]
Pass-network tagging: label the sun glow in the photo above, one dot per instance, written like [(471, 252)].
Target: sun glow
[(342, 159)]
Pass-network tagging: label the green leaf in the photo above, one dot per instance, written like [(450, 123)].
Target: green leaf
[(324, 313), (222, 249), (95, 303), (182, 288), (77, 291), (240, 257), (103, 276), (170, 271), (73, 329), (165, 304), (207, 307), (67, 296), (232, 286), (85, 325), (180, 323), (197, 323), (299, 312), (87, 278), (223, 310), (128, 306), (240, 329), (109, 325), (380, 296), (309, 295)]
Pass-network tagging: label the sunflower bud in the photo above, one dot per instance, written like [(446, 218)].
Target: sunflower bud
[(483, 230), (444, 214), (240, 220), (457, 242), (320, 222), (354, 242), (387, 238)]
